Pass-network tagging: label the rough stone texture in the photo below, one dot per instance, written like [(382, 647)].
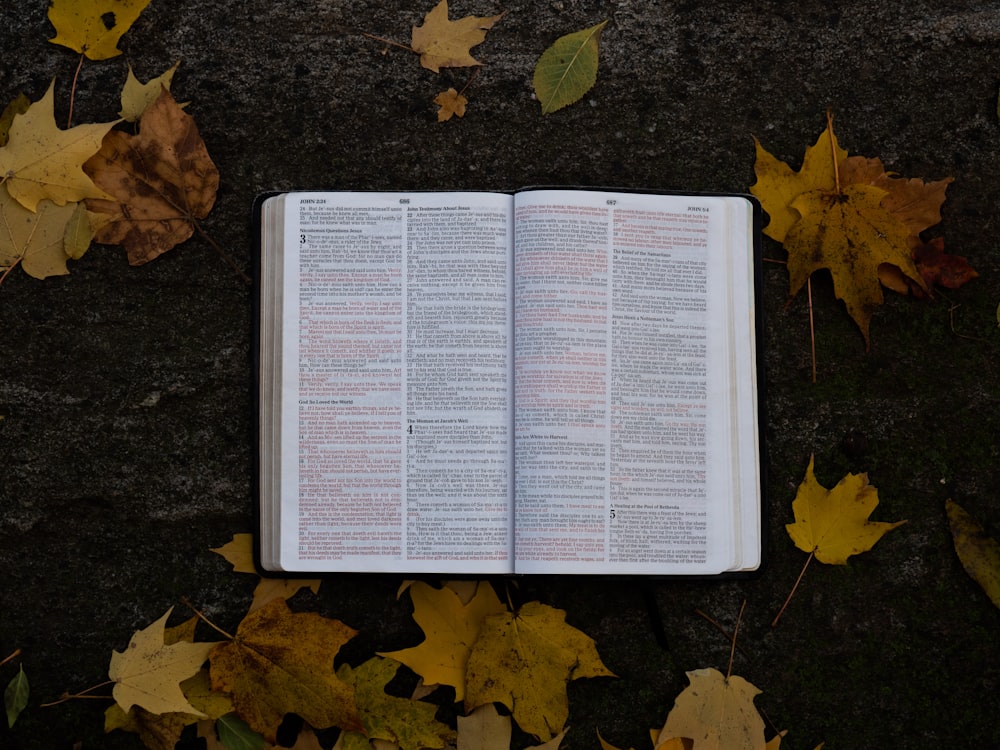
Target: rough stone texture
[(125, 443)]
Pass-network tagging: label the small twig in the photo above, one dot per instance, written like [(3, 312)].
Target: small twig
[(17, 653), (187, 603), (774, 622), (72, 92), (469, 82)]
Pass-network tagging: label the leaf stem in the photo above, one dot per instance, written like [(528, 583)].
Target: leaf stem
[(10, 268), (833, 149), (225, 256), (72, 92), (774, 622), (387, 41), (82, 695), (736, 630), (187, 602)]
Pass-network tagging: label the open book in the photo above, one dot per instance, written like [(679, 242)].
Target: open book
[(555, 381)]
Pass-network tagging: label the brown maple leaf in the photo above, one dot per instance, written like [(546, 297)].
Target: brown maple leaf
[(443, 43), (163, 179)]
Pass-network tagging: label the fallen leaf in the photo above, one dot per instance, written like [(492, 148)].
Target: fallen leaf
[(148, 673), (18, 106), (568, 69), (236, 733), (716, 712), (442, 43), (848, 215), (40, 161), (978, 552), (484, 729), (137, 97), (36, 240), (451, 103), (239, 553), (162, 181), (282, 662), (93, 27), (833, 524), (451, 629), (15, 696), (408, 723), (524, 660), (157, 731)]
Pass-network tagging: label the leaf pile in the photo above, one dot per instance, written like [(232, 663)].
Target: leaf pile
[(61, 189)]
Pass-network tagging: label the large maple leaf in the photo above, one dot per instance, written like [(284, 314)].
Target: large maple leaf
[(716, 712), (451, 628), (848, 215), (148, 673), (35, 240), (281, 662), (41, 161), (162, 182), (443, 43), (524, 661)]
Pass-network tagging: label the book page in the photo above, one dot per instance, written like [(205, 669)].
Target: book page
[(396, 412), (626, 400)]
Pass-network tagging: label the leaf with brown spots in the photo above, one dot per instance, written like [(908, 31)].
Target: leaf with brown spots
[(163, 179)]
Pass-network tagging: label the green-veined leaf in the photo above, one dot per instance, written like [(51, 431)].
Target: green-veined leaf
[(568, 69)]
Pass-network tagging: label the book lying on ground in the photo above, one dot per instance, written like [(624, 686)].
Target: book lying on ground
[(555, 381)]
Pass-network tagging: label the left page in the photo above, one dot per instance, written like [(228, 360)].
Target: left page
[(395, 420)]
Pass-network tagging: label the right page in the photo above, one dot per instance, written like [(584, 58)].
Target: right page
[(636, 437)]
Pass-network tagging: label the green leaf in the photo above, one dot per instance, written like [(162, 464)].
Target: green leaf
[(980, 554), (234, 734), (15, 697), (568, 69)]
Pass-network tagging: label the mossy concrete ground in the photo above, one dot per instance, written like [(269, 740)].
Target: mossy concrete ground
[(125, 443)]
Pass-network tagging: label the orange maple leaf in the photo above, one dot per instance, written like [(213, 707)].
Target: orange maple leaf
[(443, 43)]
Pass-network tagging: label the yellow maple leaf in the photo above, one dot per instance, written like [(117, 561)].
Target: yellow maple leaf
[(833, 524), (451, 103), (406, 722), (976, 550), (148, 673), (239, 553), (41, 161), (716, 712), (93, 27), (137, 97), (451, 628), (447, 44), (842, 216), (524, 660), (35, 240), (282, 662)]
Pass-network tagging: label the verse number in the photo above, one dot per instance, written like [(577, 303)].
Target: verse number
[(302, 239), (612, 514), (409, 430)]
